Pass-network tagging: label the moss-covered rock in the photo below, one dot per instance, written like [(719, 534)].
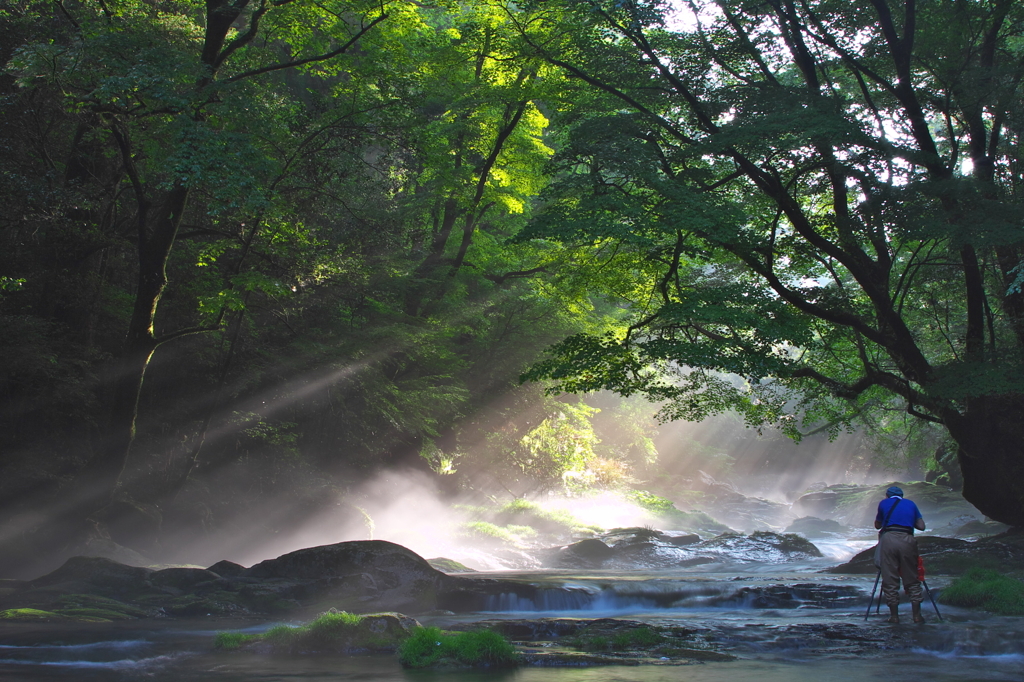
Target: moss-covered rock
[(449, 565), (181, 578), (401, 578), (813, 527), (28, 615), (333, 632), (856, 505), (104, 574)]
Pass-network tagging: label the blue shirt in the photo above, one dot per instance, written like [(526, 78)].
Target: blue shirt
[(905, 515)]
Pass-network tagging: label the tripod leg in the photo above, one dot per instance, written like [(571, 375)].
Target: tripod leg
[(932, 599), (872, 598)]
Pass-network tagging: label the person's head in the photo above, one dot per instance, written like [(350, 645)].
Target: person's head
[(894, 491)]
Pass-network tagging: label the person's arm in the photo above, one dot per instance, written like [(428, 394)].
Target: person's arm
[(878, 524), (919, 521)]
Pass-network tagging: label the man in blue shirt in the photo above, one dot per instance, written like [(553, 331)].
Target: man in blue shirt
[(896, 520)]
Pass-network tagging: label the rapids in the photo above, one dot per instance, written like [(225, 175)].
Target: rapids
[(791, 626)]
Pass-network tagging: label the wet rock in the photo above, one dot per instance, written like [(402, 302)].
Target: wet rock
[(681, 540), (590, 549), (819, 503), (393, 562), (813, 527), (101, 573), (449, 565), (856, 505), (800, 595), (227, 569), (181, 578), (760, 546), (529, 630), (487, 594), (977, 528), (589, 553), (404, 580), (952, 556)]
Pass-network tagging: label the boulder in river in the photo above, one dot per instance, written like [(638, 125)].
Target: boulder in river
[(952, 556), (855, 505), (813, 527)]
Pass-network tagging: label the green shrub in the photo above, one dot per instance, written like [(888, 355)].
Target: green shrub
[(229, 641), (431, 647), (987, 589)]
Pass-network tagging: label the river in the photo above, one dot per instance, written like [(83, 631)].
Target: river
[(781, 627)]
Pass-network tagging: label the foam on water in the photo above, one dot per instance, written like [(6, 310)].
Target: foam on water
[(111, 644), (122, 664)]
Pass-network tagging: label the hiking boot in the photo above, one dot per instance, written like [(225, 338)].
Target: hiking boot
[(916, 611), (894, 614)]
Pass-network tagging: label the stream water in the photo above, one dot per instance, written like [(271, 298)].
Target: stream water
[(791, 627)]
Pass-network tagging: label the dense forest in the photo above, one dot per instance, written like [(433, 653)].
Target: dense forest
[(257, 250)]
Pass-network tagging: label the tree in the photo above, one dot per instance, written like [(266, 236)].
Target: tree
[(169, 97), (821, 206)]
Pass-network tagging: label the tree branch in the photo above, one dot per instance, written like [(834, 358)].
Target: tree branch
[(308, 60)]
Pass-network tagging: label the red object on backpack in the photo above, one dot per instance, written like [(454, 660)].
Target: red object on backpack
[(920, 569)]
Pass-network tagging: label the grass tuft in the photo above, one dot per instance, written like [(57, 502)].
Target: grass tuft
[(431, 647), (987, 589)]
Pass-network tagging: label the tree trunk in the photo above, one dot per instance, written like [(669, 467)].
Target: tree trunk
[(990, 436)]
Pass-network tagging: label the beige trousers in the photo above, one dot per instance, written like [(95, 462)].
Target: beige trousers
[(899, 559)]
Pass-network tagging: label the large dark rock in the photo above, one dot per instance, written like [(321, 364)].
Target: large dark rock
[(951, 556), (354, 576), (181, 578), (227, 569), (102, 573), (761, 546), (813, 527), (856, 505), (392, 564), (393, 576)]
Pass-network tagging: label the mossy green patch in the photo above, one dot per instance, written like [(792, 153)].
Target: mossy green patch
[(487, 531), (95, 606), (987, 589), (632, 638), (229, 641), (431, 647), (28, 614)]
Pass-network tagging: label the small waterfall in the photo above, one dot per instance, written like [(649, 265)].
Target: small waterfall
[(662, 594), (552, 599)]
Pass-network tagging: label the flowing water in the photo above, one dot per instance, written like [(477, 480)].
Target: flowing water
[(791, 627)]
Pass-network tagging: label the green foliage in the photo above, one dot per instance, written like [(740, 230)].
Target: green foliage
[(665, 510), (810, 277), (431, 647), (987, 589)]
